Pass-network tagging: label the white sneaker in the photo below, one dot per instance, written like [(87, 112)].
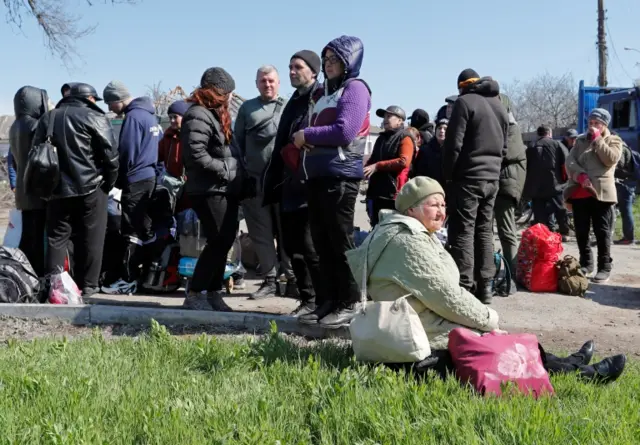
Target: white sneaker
[(120, 287)]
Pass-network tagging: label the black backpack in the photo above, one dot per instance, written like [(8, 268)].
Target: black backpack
[(18, 281), (42, 173)]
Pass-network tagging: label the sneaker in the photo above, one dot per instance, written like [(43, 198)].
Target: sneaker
[(197, 301), (291, 289), (239, 284), (624, 242), (216, 301), (587, 271), (120, 287), (305, 308), (268, 288), (319, 313), (602, 276), (341, 316)]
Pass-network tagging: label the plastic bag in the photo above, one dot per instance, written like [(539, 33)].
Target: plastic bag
[(64, 290), (13, 235), (538, 252)]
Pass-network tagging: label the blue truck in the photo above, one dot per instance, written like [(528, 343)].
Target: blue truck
[(622, 103)]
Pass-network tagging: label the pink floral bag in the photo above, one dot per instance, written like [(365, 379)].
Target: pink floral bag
[(489, 361)]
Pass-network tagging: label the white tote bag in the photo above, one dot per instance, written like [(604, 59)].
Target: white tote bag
[(13, 235), (387, 331)]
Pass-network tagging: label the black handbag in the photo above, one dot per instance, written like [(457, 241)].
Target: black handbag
[(42, 172)]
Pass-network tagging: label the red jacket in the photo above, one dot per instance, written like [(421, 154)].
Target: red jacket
[(170, 153)]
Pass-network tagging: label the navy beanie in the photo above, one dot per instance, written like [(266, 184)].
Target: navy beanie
[(179, 107)]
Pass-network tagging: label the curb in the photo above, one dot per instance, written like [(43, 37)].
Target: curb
[(108, 314)]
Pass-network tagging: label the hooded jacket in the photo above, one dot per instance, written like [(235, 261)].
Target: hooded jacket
[(429, 161), (87, 149), (29, 105), (139, 138), (476, 139), (513, 172), (340, 120), (404, 258)]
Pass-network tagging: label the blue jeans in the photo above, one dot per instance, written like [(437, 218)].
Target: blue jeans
[(626, 196)]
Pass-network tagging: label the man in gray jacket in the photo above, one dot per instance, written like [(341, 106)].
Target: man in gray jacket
[(255, 130)]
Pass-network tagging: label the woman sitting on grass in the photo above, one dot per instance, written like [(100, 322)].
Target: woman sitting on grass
[(404, 255)]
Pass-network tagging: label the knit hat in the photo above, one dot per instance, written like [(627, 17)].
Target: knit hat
[(115, 91), (467, 75), (179, 107), (415, 191), (309, 57), (572, 133), (442, 122), (218, 78), (419, 118), (600, 114)]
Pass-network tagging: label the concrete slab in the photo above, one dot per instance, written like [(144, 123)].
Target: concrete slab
[(75, 314)]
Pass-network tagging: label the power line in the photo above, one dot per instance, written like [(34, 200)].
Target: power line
[(615, 53)]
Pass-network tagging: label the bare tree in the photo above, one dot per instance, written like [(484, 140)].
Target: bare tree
[(60, 26), (163, 99), (545, 99)]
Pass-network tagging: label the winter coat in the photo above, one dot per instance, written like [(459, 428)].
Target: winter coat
[(476, 138), (139, 139), (513, 171), (598, 159), (429, 161), (87, 149), (170, 153), (340, 121), (281, 184), (403, 258), (546, 160), (211, 165), (29, 105)]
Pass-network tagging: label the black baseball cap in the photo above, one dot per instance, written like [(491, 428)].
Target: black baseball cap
[(571, 133), (451, 99), (392, 109)]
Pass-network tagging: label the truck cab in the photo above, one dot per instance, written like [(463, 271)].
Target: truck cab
[(622, 103)]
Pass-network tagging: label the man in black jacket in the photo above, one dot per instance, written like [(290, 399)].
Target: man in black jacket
[(546, 181), (29, 104), (474, 146), (283, 185), (88, 158)]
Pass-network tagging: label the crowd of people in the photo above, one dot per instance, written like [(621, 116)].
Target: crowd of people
[(294, 167)]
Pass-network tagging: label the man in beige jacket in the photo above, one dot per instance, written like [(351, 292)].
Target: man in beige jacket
[(591, 190)]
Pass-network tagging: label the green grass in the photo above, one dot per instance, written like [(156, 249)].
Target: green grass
[(159, 389), (636, 219)]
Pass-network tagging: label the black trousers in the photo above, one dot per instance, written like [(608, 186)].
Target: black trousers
[(332, 204), (378, 204), (84, 218), (588, 211), (470, 230), (32, 239), (136, 225), (552, 213), (441, 362), (218, 215), (298, 245)]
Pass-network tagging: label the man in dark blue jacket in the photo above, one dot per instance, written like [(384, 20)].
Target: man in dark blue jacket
[(138, 148)]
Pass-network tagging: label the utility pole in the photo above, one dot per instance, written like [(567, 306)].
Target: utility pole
[(602, 47)]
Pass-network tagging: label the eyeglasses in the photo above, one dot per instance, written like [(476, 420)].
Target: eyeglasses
[(333, 60)]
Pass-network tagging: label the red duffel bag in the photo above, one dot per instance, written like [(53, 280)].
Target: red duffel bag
[(488, 361), (538, 253)]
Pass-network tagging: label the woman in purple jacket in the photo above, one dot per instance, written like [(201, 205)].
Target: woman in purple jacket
[(332, 148)]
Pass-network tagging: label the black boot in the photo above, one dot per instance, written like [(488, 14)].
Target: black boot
[(321, 311), (291, 291), (268, 288), (604, 270), (585, 353), (484, 293), (342, 316), (606, 371)]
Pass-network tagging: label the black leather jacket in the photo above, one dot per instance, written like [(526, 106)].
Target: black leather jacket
[(87, 148)]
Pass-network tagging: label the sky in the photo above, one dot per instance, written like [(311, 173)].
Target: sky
[(413, 50)]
